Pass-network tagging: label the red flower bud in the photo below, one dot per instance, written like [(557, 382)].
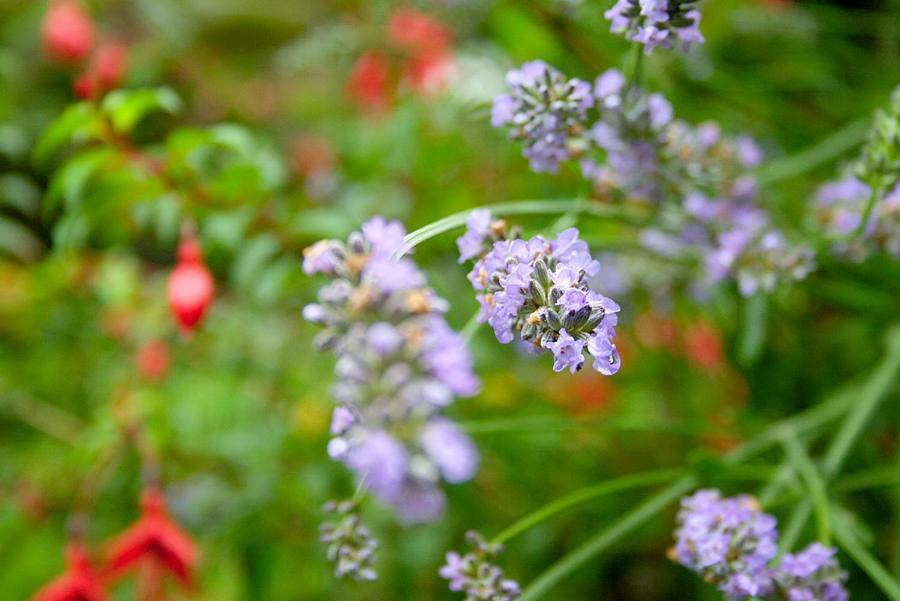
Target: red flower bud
[(77, 583), (368, 85), (68, 32), (190, 286), (155, 541), (109, 64)]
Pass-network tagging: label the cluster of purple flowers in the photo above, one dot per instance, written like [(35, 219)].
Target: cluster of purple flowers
[(539, 288), (544, 110), (839, 210), (732, 544), (476, 575), (657, 22), (399, 365), (350, 543), (699, 179)]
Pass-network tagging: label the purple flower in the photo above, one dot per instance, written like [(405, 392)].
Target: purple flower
[(451, 450), (476, 575), (543, 109), (728, 541), (478, 228), (540, 290), (567, 352), (398, 364), (350, 543), (812, 574), (656, 22)]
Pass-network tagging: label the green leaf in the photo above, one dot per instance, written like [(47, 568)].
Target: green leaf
[(18, 241), (69, 182), (76, 124), (753, 335), (849, 542), (126, 108), (252, 259)]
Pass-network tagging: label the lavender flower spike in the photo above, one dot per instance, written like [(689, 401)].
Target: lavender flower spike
[(656, 22), (546, 111), (475, 575), (812, 575), (399, 364), (539, 290), (728, 541)]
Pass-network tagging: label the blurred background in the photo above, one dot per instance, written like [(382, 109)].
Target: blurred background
[(312, 116)]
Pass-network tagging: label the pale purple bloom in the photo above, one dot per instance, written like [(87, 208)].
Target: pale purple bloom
[(656, 22), (539, 289), (812, 574), (380, 461), (478, 228), (451, 449), (728, 541), (543, 108), (384, 337), (476, 575)]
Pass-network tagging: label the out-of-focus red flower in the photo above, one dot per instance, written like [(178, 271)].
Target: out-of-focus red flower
[(105, 71), (313, 155), (428, 44), (368, 86), (418, 33), (154, 542), (593, 392), (191, 286), (79, 582), (153, 359), (703, 345), (68, 32)]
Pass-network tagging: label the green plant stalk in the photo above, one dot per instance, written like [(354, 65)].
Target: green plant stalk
[(587, 494), (814, 483), (523, 207), (866, 561), (822, 152), (605, 538)]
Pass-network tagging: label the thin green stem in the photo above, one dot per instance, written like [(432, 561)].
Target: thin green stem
[(870, 478), (470, 328), (524, 207), (794, 528), (867, 212), (605, 538), (814, 483), (822, 152), (848, 541), (587, 494)]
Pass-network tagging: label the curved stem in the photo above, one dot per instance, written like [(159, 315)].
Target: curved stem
[(523, 207), (814, 484), (586, 494)]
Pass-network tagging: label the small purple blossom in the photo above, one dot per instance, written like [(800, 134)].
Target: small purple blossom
[(539, 290), (544, 110), (812, 575), (476, 575), (656, 22), (728, 541), (350, 543)]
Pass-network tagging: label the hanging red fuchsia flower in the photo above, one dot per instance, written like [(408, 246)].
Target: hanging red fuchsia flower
[(79, 582), (191, 286), (368, 85), (68, 32), (105, 71), (155, 544)]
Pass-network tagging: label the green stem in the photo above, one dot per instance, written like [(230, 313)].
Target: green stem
[(524, 207), (870, 565), (814, 483), (870, 478), (826, 150), (867, 212), (586, 494), (470, 328), (605, 538)]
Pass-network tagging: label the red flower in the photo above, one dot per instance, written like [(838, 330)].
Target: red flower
[(77, 583), (703, 345), (105, 71), (418, 33), (154, 542), (68, 32), (368, 85), (153, 359), (191, 286)]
